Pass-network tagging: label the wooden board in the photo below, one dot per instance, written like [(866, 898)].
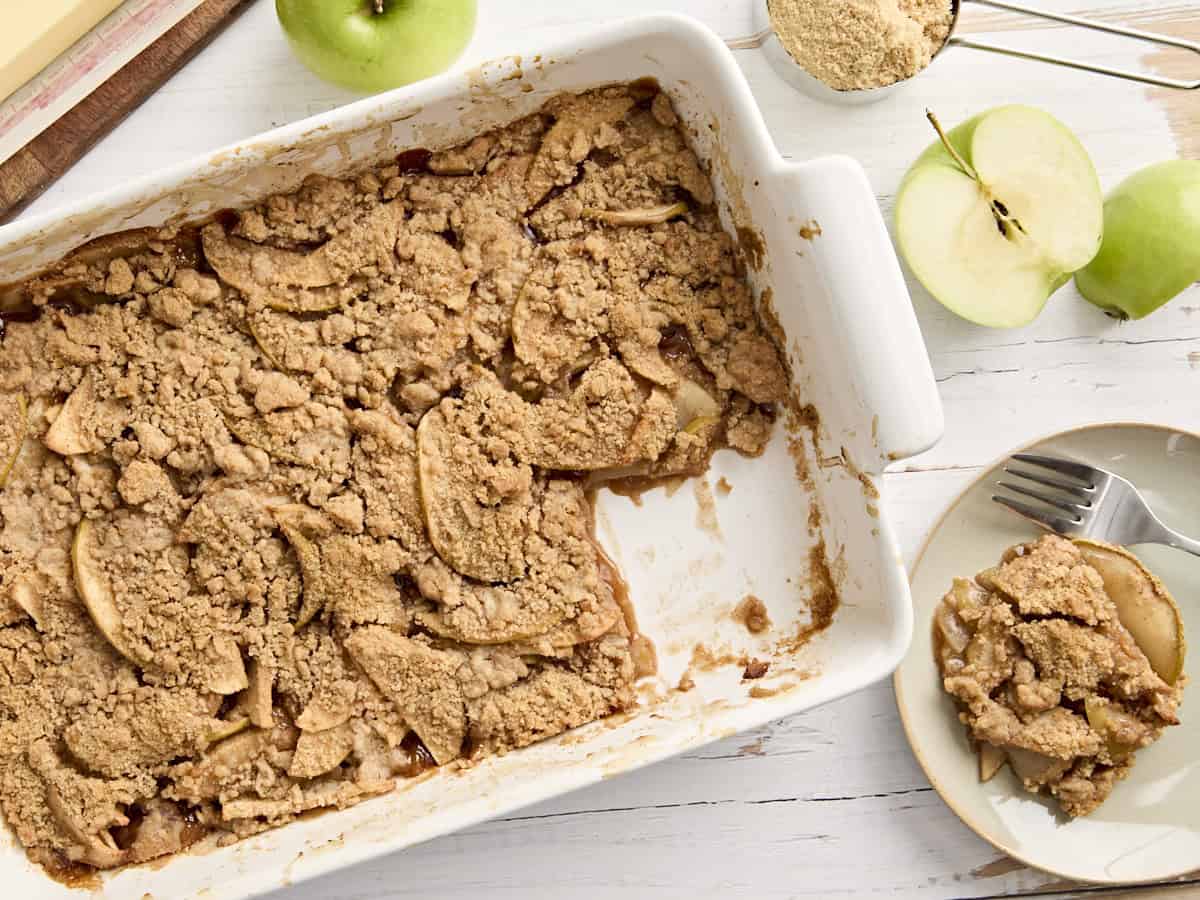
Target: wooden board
[(44, 159)]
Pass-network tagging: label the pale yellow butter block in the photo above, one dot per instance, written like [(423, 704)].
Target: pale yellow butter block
[(34, 32)]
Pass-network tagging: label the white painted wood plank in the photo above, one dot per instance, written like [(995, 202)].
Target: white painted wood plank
[(830, 803), (790, 810)]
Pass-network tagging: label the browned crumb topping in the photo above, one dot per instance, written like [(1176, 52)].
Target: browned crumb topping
[(755, 669), (296, 504), (1047, 676)]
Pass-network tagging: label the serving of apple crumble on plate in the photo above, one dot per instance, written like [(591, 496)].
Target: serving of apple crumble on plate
[(296, 503), (1065, 660)]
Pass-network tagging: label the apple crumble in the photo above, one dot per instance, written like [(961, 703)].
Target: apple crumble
[(296, 503), (1065, 660)]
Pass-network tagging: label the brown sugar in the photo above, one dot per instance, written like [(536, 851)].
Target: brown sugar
[(297, 503), (861, 44)]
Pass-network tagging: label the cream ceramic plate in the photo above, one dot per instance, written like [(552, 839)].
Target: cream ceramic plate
[(1149, 828)]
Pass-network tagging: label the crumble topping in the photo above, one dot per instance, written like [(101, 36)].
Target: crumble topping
[(1040, 654), (295, 504)]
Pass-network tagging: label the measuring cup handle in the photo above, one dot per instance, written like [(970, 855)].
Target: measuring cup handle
[(1161, 40)]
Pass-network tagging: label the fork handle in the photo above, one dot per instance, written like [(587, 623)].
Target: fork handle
[(1179, 542)]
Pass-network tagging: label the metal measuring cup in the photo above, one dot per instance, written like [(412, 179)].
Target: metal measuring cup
[(792, 72)]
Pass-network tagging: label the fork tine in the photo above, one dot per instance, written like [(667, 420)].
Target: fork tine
[(1041, 517), (1064, 505), (1065, 466), (1068, 487)]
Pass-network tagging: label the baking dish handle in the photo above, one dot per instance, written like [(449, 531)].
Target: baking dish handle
[(877, 343)]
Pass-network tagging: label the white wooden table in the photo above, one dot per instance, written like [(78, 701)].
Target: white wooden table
[(832, 802)]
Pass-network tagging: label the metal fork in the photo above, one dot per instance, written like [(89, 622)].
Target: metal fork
[(1087, 502)]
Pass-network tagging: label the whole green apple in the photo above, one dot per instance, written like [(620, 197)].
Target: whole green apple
[(996, 214), (1151, 249), (373, 45)]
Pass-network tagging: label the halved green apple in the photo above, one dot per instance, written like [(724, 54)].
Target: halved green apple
[(997, 214), (1145, 607)]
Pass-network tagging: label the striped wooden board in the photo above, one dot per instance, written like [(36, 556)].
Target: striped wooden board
[(36, 166)]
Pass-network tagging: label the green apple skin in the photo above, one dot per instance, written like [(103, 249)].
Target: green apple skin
[(348, 43), (1038, 288), (937, 154), (1151, 249)]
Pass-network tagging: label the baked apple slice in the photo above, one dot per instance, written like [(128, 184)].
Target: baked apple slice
[(24, 599), (225, 669), (221, 766), (316, 281), (318, 752), (222, 729), (1123, 733), (991, 760), (323, 713), (654, 215), (162, 724), (74, 431), (421, 681), (695, 408), (259, 705), (606, 421), (1145, 607), (476, 497), (95, 589), (580, 125), (295, 522)]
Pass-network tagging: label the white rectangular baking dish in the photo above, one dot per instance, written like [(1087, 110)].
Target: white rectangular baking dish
[(829, 270)]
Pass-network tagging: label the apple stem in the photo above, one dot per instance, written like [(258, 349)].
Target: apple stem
[(379, 7), (967, 168), (1009, 226)]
